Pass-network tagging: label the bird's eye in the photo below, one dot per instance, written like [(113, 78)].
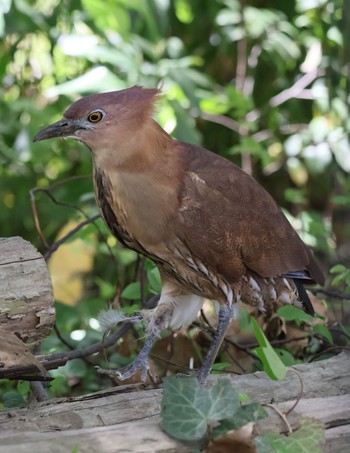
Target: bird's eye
[(95, 117)]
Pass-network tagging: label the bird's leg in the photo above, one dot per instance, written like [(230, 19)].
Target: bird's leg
[(140, 363), (226, 313)]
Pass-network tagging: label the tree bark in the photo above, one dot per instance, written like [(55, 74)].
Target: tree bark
[(26, 296), (127, 418)]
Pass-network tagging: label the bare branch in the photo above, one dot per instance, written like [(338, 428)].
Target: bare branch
[(296, 89), (47, 192), (329, 293), (53, 361), (71, 233)]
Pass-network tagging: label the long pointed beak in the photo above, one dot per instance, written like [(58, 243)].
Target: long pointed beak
[(63, 128)]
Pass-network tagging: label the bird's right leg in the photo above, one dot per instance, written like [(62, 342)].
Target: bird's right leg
[(225, 315)]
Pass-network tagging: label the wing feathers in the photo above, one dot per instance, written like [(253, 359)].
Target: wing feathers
[(223, 206)]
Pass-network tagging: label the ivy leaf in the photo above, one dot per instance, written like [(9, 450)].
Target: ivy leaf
[(245, 414), (224, 400), (13, 399), (188, 408), (273, 366), (308, 438)]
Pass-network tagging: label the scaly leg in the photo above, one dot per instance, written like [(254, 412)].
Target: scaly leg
[(226, 313), (140, 363)]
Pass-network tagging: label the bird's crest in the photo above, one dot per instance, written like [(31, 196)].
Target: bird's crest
[(136, 101)]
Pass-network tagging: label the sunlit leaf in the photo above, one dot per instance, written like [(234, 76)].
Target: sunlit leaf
[(291, 313), (273, 366)]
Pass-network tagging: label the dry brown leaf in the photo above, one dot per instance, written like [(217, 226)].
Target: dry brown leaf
[(15, 353), (179, 350), (237, 440)]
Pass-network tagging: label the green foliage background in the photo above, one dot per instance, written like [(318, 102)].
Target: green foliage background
[(264, 83)]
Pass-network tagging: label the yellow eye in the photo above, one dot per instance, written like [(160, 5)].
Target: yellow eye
[(95, 117)]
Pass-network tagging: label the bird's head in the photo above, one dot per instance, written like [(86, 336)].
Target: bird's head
[(104, 122)]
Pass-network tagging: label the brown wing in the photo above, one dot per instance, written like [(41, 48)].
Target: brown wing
[(223, 206)]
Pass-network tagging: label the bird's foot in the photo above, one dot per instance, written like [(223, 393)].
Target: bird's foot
[(139, 364), (201, 374)]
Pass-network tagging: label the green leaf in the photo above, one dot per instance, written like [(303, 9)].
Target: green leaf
[(245, 414), (286, 357), (23, 388), (154, 280), (132, 291), (243, 398), (75, 449), (13, 399), (337, 269), (309, 438), (290, 313), (219, 367), (321, 329), (244, 321), (224, 400), (58, 385), (273, 366), (188, 408), (338, 279)]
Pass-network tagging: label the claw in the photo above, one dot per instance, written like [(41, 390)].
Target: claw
[(139, 364), (126, 372)]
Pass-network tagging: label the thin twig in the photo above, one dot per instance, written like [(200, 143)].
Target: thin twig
[(325, 351), (329, 293), (287, 94), (341, 332), (36, 219), (47, 191), (224, 121), (300, 394), (210, 331), (52, 361), (68, 345), (278, 342), (71, 233), (242, 45), (296, 88), (283, 417)]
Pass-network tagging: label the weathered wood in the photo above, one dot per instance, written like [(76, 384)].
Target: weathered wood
[(26, 295), (127, 418)]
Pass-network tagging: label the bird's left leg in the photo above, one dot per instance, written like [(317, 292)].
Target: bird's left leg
[(175, 309), (226, 314)]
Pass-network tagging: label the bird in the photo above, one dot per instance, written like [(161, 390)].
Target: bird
[(211, 229)]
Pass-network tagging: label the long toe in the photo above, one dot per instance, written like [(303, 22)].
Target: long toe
[(135, 366)]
